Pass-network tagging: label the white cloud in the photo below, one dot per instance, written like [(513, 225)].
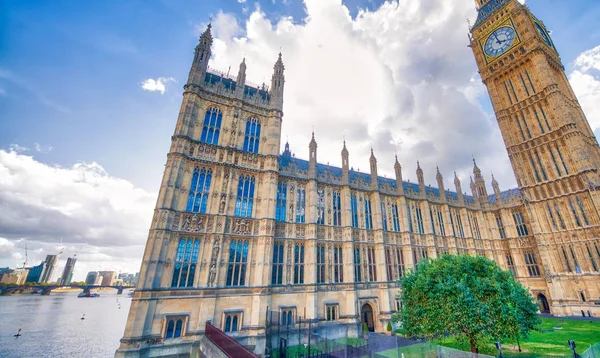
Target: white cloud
[(18, 148), (585, 79), (102, 219), (159, 84), (42, 148), (241, 1), (400, 78)]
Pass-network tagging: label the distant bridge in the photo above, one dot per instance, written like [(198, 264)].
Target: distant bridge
[(45, 289)]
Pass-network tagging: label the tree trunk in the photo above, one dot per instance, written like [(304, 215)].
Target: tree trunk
[(519, 344), (474, 347)]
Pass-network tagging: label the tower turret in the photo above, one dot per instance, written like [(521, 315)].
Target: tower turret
[(496, 189), (373, 164), (201, 57), (440, 182), (421, 179), (459, 192), (241, 80), (482, 194), (277, 83), (312, 163), (345, 165), (398, 170)]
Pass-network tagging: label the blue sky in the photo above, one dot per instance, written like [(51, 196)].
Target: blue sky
[(71, 74)]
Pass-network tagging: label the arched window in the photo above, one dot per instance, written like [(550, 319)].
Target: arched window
[(184, 269), (238, 260), (212, 126), (245, 196), (234, 324), (178, 328), (170, 329), (228, 324), (252, 138), (198, 196)]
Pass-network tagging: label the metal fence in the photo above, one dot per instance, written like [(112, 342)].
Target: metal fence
[(592, 352), (426, 350)]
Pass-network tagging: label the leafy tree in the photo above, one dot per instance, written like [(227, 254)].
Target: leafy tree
[(469, 297)]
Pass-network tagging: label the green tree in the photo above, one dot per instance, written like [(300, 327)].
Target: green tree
[(468, 297)]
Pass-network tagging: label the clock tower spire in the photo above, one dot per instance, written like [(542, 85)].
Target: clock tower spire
[(551, 146)]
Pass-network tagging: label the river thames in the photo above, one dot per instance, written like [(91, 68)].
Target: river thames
[(52, 326)]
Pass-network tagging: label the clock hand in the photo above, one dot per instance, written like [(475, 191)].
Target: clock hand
[(496, 36)]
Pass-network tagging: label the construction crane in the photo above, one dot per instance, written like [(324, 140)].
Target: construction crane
[(25, 263)]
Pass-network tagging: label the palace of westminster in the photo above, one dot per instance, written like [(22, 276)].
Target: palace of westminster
[(242, 228)]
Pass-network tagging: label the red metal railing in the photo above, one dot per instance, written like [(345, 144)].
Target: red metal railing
[(228, 345)]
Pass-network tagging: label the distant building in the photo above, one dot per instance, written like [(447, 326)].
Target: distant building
[(36, 272), (67, 274), (108, 277), (13, 276), (48, 272), (128, 278), (93, 278)]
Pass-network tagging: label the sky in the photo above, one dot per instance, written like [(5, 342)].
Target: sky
[(90, 92)]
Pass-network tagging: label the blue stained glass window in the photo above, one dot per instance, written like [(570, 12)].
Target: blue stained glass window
[(301, 204), (252, 138), (212, 126), (184, 268), (178, 328), (368, 216), (383, 216), (395, 217), (277, 273), (281, 202), (337, 209), (238, 259), (320, 207), (199, 189), (170, 329), (354, 207), (245, 196)]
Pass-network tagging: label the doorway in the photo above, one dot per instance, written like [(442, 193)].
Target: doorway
[(366, 313), (544, 307)]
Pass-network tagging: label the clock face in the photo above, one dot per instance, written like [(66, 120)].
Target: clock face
[(499, 41), (543, 34)]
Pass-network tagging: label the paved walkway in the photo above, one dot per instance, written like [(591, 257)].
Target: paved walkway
[(376, 343)]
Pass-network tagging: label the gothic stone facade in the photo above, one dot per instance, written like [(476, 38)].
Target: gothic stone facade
[(241, 229)]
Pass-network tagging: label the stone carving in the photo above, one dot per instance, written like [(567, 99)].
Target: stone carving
[(212, 273), (241, 227), (176, 220), (193, 223)]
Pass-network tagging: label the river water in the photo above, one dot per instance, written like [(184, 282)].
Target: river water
[(52, 326)]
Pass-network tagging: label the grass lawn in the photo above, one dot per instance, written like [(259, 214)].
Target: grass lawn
[(554, 342), (296, 351), (550, 342)]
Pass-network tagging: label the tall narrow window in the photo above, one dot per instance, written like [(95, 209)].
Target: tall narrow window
[(538, 120), (245, 196), (475, 226), (332, 312), (232, 322), (552, 221), (337, 209), (537, 174), (301, 204), (524, 85), (440, 218), (526, 125), (372, 264), (555, 163), (354, 208), (452, 222), (394, 263), (238, 260), (500, 224), (432, 221), (184, 268), (520, 224), (175, 327), (560, 218), (368, 216), (395, 217), (252, 138), (531, 263), (320, 263), (575, 262), (277, 273), (508, 93), (537, 155), (389, 264), (574, 212), (567, 264), (281, 202), (511, 265), (298, 263), (338, 264), (198, 196), (562, 160), (212, 126), (420, 226), (530, 82), (409, 216), (357, 266), (383, 216), (320, 207), (545, 118), (400, 261), (520, 128), (580, 204), (592, 259), (513, 90), (461, 230)]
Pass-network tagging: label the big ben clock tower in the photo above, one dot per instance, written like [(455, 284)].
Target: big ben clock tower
[(553, 151)]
